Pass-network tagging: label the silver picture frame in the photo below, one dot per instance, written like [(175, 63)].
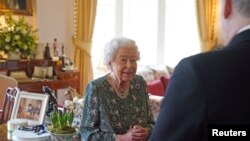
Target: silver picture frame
[(30, 106)]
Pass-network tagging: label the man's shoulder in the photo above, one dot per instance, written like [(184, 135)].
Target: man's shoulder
[(202, 58), (227, 52), (212, 56), (203, 62)]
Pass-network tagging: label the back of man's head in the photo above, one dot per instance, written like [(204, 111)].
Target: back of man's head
[(234, 15), (243, 7)]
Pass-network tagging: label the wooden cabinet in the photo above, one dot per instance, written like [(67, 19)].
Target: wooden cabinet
[(26, 65), (64, 79), (61, 83)]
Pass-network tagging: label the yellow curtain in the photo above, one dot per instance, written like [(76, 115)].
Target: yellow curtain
[(85, 19), (207, 15)]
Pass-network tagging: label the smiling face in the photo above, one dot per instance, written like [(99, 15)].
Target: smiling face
[(124, 65)]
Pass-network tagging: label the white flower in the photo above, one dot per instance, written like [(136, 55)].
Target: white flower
[(25, 47), (7, 47), (23, 31), (16, 37), (7, 39), (17, 29)]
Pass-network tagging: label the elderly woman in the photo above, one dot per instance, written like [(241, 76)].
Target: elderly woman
[(116, 105)]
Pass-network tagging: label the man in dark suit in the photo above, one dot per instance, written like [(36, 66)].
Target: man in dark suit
[(211, 90)]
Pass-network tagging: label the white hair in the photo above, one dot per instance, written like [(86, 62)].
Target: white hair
[(242, 6), (112, 47)]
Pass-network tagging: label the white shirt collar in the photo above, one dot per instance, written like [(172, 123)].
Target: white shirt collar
[(244, 28)]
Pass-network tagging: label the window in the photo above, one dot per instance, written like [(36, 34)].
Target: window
[(164, 30)]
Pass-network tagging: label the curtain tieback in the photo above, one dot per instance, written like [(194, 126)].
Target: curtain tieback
[(85, 46)]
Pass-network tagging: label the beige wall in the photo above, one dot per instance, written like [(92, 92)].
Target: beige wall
[(55, 20)]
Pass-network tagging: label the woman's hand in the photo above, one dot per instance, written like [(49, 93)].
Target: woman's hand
[(139, 133), (125, 137)]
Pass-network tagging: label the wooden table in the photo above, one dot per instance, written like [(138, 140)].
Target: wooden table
[(3, 132), (65, 79)]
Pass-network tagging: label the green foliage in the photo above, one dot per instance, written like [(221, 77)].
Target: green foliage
[(61, 122), (17, 36)]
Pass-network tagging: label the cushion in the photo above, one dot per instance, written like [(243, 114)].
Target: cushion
[(42, 72), (146, 73), (18, 74), (156, 87), (155, 104), (164, 80), (159, 70)]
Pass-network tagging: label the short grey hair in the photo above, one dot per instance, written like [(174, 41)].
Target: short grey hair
[(112, 47), (242, 6)]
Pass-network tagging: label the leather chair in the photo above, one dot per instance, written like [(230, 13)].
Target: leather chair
[(6, 82), (9, 102)]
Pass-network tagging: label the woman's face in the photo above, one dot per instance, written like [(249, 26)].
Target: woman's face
[(124, 65)]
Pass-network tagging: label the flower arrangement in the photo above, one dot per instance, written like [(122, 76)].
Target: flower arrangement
[(17, 36), (61, 122)]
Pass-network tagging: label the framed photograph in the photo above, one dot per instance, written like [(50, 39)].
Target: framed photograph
[(18, 7), (30, 106)]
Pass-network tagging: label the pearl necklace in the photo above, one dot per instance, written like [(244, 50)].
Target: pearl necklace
[(121, 94)]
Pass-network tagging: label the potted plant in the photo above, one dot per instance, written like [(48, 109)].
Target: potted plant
[(61, 126), (17, 36)]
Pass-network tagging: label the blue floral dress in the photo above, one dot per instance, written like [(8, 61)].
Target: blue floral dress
[(106, 114)]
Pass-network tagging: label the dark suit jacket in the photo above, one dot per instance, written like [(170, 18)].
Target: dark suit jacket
[(208, 88)]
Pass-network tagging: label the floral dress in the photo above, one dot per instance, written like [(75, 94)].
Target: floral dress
[(106, 114)]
